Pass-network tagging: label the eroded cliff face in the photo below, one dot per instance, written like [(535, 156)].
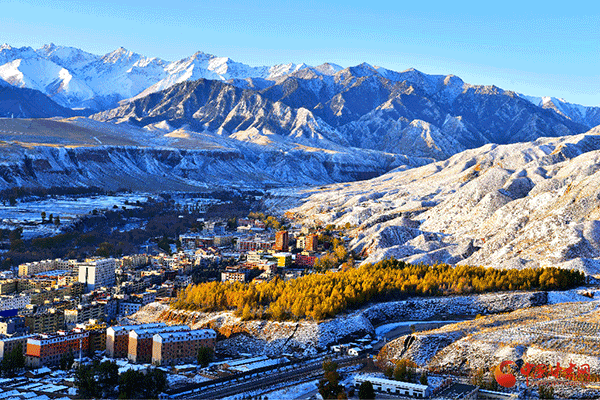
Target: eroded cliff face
[(152, 169)]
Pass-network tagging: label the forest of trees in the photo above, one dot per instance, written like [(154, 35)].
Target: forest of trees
[(323, 295)]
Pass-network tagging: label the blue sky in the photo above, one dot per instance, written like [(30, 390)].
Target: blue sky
[(536, 49)]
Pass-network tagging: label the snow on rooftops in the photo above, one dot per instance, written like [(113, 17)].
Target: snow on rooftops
[(185, 335), (119, 328), (10, 394), (257, 364), (385, 381), (149, 332), (245, 361)]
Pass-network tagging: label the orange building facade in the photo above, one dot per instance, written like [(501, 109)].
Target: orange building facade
[(46, 350), (282, 241), (171, 348), (140, 342), (117, 338)]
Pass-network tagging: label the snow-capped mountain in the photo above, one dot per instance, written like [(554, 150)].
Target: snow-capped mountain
[(118, 75), (206, 66), (589, 116), (78, 79), (407, 113), (70, 58), (75, 78)]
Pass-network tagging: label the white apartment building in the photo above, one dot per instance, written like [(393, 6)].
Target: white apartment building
[(97, 273)]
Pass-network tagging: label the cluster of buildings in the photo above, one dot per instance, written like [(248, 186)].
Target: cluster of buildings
[(52, 295), (155, 343), (52, 308), (286, 253)]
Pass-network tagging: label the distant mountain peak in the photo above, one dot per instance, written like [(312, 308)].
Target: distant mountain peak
[(119, 54), (362, 70), (6, 46), (49, 47), (200, 55)]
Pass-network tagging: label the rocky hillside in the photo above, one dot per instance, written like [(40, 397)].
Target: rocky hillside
[(560, 333), (509, 206), (307, 337)]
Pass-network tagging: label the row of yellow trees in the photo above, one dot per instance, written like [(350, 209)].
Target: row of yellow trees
[(323, 295)]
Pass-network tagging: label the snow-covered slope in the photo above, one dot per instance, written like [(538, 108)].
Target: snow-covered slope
[(307, 337), (70, 58), (49, 78), (207, 66), (121, 74), (508, 206)]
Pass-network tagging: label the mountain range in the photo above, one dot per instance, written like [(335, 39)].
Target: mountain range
[(448, 171), (78, 79), (364, 111)]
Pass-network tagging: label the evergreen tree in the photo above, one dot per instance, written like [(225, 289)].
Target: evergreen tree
[(13, 361), (366, 391), (205, 356), (66, 360)]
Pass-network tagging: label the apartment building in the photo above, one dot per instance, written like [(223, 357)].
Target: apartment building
[(305, 259), (117, 338), (97, 273), (240, 275), (254, 244), (134, 260), (282, 241), (8, 344), (97, 332), (8, 286), (85, 312), (311, 243), (12, 326), (42, 266), (13, 302), (169, 348), (45, 321), (255, 257), (140, 341), (44, 350), (284, 259)]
